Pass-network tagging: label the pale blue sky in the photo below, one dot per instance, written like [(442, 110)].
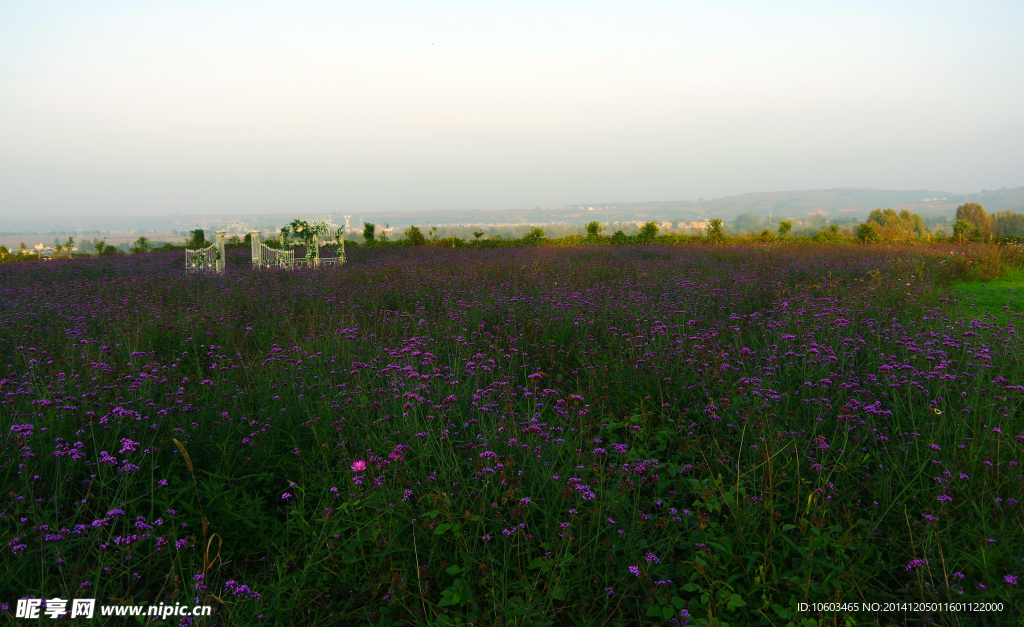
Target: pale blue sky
[(118, 107)]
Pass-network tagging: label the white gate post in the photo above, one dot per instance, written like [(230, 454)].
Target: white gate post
[(221, 235), (254, 241)]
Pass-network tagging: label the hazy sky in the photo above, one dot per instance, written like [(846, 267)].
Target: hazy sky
[(144, 107)]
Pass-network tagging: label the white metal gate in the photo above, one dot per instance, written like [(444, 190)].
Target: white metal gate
[(201, 260)]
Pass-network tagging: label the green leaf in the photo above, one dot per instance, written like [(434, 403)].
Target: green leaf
[(788, 527), (453, 570), (735, 601), (654, 611), (667, 612), (783, 612), (691, 587), (679, 603), (441, 529)]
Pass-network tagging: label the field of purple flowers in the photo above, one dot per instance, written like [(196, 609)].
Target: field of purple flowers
[(522, 436)]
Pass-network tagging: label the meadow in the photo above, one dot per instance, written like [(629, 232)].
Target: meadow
[(587, 435)]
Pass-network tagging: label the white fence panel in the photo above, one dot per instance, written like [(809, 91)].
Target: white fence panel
[(274, 258)]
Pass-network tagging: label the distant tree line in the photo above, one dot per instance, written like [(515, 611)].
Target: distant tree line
[(972, 222)]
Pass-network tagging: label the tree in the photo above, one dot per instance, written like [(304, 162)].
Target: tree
[(785, 227), (715, 233), (98, 245), (594, 229), (892, 225), (3, 252), (384, 233), (867, 232), (648, 232), (535, 234), (975, 215), (478, 235), (141, 245), (1008, 223), (69, 245), (108, 250), (197, 239), (748, 222), (415, 236), (369, 236), (961, 228)]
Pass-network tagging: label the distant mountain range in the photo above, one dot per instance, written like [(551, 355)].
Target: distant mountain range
[(837, 204)]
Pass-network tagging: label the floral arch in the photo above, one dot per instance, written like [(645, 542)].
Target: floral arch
[(313, 235)]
